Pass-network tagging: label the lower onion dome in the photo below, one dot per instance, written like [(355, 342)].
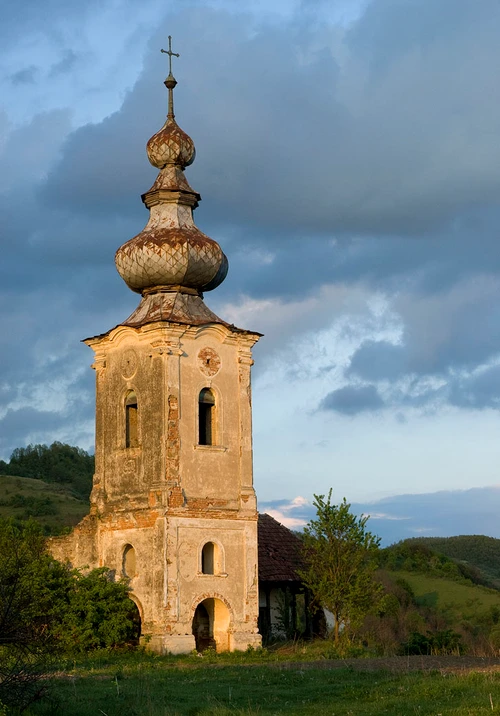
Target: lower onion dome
[(179, 256)]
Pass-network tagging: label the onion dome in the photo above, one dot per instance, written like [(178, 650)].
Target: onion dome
[(171, 254)]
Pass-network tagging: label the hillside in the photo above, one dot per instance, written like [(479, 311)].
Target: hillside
[(477, 551), (58, 463), (449, 596), (55, 506)]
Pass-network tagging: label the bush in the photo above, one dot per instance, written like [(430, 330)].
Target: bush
[(47, 609), (98, 613)]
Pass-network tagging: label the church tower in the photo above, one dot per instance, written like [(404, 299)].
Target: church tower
[(173, 506)]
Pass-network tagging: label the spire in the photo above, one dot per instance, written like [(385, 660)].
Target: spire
[(171, 255), (170, 82)]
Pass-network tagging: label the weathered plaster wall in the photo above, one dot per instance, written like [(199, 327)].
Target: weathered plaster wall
[(169, 495)]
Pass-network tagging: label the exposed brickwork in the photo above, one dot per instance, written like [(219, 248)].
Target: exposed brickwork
[(173, 439), (175, 498)]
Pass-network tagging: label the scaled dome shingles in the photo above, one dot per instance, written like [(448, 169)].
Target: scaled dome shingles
[(280, 551)]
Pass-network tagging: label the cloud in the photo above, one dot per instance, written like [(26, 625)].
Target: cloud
[(281, 510), (378, 360), (437, 514), (352, 400), (26, 76), (477, 391), (402, 147), (339, 162)]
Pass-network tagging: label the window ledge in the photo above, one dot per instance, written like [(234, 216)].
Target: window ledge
[(218, 575), (212, 448)]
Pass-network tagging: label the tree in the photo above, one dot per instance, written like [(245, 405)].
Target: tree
[(98, 613), (58, 463), (340, 554), (32, 586), (47, 608)]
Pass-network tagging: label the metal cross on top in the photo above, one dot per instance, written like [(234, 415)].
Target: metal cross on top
[(170, 54)]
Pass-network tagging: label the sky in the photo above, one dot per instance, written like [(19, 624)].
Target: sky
[(348, 158)]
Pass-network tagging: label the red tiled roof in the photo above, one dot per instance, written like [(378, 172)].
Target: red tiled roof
[(279, 551)]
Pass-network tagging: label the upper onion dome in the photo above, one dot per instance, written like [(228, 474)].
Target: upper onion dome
[(171, 145), (171, 253)]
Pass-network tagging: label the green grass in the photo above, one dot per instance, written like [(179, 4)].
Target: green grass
[(443, 593), (156, 686), (67, 509)]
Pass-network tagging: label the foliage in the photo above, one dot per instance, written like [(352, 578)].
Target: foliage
[(29, 598), (416, 555), (59, 463), (97, 614), (476, 552), (47, 608), (340, 555), (441, 642)]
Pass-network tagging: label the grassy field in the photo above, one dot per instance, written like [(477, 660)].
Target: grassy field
[(51, 504), (154, 686), (443, 593)]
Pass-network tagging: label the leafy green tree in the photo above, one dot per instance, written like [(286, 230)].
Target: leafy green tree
[(98, 613), (47, 609), (340, 554), (32, 588), (58, 463)]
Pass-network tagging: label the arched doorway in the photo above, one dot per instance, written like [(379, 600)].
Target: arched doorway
[(211, 625), (135, 616)]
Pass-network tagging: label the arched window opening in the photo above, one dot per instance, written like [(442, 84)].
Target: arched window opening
[(131, 421), (206, 417), (209, 558), (129, 568)]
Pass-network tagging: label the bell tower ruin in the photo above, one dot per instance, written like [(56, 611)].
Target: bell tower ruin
[(173, 506)]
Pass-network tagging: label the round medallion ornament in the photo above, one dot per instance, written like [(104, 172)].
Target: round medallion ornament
[(208, 361), (128, 363)]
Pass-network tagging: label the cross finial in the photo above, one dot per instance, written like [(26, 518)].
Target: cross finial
[(170, 82), (170, 54)]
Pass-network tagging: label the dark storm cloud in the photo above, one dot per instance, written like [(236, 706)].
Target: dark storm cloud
[(378, 360), (447, 335), (381, 151), (368, 158), (38, 424), (477, 391), (352, 400)]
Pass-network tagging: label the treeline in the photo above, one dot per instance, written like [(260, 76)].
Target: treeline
[(58, 463), (478, 550), (414, 555)]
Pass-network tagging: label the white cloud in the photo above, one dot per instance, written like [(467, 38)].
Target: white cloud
[(290, 522)]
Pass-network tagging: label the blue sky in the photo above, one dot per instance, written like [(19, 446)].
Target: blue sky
[(348, 157)]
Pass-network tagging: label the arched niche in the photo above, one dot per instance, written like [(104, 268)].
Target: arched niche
[(129, 562)]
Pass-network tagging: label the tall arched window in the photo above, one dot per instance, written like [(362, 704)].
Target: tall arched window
[(206, 417), (131, 428), (210, 559)]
